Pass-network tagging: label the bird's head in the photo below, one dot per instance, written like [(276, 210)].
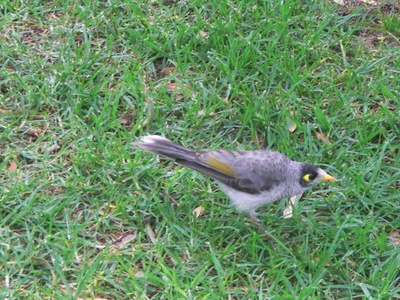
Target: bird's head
[(310, 175)]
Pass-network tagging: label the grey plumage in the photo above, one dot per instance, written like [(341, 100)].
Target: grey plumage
[(250, 178)]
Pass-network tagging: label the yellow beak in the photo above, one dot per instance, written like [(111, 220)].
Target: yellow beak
[(328, 178)]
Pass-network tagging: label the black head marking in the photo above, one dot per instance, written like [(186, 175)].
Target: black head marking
[(308, 173)]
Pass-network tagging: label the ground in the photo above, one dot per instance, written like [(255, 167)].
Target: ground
[(86, 215)]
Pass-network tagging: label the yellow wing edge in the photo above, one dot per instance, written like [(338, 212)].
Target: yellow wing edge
[(220, 166)]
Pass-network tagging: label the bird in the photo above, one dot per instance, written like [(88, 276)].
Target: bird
[(250, 179)]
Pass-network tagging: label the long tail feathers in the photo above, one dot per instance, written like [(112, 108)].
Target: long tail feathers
[(162, 146), (159, 145)]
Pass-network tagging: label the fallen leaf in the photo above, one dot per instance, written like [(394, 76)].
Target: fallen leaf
[(394, 238), (167, 71), (172, 86), (53, 149), (346, 2), (32, 134), (321, 136), (12, 166), (341, 2), (201, 112), (179, 97), (122, 241), (95, 298), (291, 124), (288, 212), (203, 34), (151, 234), (139, 274), (198, 211), (107, 210), (370, 2), (173, 260), (126, 120)]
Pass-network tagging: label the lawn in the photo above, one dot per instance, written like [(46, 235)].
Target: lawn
[(86, 215)]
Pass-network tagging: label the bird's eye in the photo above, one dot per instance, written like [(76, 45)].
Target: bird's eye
[(308, 177)]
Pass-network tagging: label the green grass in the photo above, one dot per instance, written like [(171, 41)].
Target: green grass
[(71, 183)]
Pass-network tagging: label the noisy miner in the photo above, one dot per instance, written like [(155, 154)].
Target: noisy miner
[(250, 178)]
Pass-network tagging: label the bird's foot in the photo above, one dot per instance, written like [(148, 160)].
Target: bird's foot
[(252, 217)]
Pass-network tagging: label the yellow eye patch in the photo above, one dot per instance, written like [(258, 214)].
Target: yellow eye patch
[(307, 177)]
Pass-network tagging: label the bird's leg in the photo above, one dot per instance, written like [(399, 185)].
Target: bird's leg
[(253, 218)]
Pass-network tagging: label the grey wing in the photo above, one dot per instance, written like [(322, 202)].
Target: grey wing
[(254, 171)]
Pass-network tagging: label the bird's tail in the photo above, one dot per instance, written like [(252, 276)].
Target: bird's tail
[(162, 146)]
